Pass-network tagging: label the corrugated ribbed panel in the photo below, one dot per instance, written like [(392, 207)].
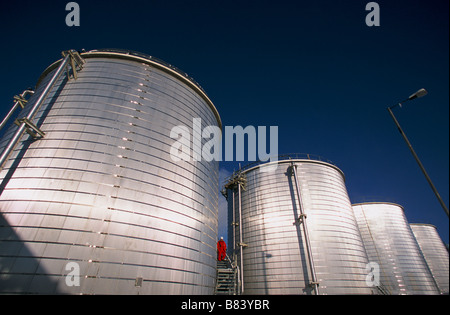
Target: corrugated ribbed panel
[(390, 243), (101, 189), (275, 260), (435, 253)]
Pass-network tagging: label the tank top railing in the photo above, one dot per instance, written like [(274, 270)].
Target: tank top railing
[(279, 158)]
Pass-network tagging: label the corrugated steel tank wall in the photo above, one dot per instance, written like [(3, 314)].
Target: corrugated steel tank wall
[(390, 243), (275, 260), (435, 253), (101, 189)]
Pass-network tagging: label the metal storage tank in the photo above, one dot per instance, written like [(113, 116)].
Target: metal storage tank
[(99, 193), (284, 244), (390, 243), (435, 253)]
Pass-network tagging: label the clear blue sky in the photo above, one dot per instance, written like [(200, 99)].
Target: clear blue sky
[(312, 68)]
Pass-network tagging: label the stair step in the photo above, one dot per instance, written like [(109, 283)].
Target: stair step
[(226, 278)]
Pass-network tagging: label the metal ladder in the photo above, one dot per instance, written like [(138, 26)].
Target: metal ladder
[(226, 278)]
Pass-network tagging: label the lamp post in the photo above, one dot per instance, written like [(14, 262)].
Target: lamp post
[(418, 94)]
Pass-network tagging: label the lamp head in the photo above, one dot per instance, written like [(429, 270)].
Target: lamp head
[(418, 94)]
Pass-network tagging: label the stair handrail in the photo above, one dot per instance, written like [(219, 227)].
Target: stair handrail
[(235, 268)]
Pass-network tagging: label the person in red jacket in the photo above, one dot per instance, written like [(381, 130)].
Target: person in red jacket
[(221, 249)]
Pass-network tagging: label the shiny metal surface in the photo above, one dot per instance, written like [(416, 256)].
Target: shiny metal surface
[(390, 243), (101, 189), (9, 147), (275, 256), (435, 253)]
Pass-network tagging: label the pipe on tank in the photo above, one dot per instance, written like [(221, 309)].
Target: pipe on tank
[(15, 106), (240, 239), (19, 132), (302, 219), (234, 241)]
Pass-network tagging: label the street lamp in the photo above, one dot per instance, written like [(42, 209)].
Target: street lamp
[(418, 94)]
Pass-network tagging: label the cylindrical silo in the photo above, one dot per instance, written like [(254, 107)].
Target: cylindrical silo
[(435, 253), (293, 230), (390, 243), (99, 194)]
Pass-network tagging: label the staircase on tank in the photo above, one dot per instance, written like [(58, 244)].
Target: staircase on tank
[(226, 278)]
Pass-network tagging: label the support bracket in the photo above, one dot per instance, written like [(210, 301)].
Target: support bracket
[(30, 128), (20, 100), (76, 63), (300, 219)]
